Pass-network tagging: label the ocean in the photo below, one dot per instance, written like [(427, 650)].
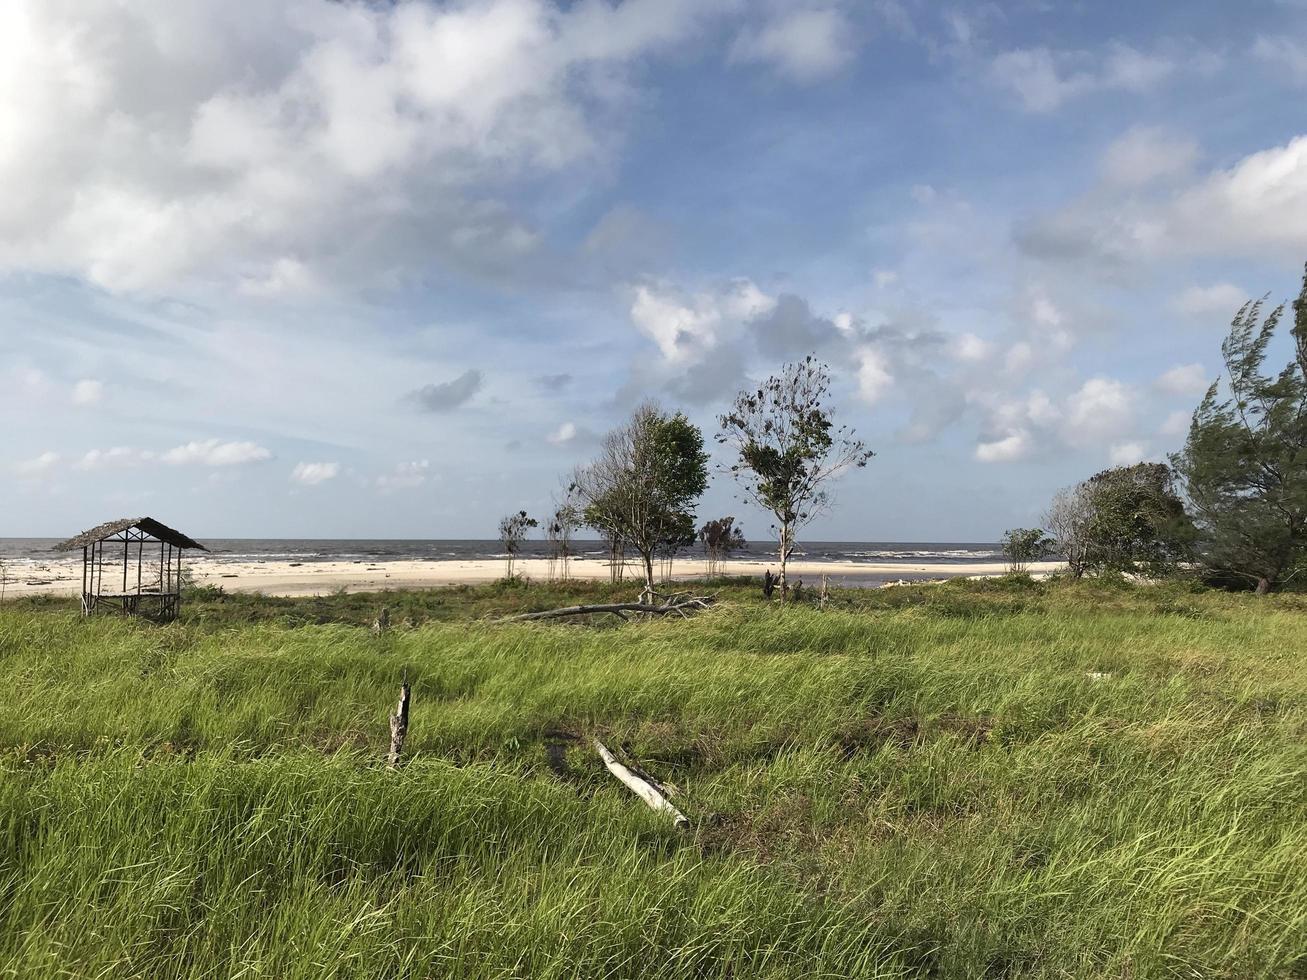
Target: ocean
[(26, 550)]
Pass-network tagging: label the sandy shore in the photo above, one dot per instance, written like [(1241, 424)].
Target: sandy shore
[(63, 576)]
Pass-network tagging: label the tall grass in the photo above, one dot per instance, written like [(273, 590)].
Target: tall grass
[(967, 781)]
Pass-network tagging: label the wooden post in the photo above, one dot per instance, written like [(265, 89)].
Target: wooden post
[(126, 545), (399, 725), (825, 589)]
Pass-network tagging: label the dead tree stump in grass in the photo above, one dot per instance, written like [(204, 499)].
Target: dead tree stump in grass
[(398, 726)]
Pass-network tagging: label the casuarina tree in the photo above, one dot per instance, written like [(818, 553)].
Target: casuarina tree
[(789, 449), (1244, 465)]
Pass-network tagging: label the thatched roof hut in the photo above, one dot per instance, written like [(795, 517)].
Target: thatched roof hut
[(146, 585)]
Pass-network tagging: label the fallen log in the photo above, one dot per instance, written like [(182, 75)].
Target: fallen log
[(640, 787), (682, 606)]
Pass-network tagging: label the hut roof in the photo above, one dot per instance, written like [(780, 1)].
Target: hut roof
[(147, 524)]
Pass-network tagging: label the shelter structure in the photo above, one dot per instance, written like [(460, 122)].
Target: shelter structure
[(132, 567)]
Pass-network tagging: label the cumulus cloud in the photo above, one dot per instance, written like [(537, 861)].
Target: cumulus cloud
[(563, 435), (311, 474), (208, 452), (1099, 413), (300, 141), (1175, 424), (1222, 299), (1256, 207), (447, 395), (1184, 379), (686, 326), (212, 452), (408, 475), (805, 44), (1147, 153), (1127, 453), (87, 392), (1043, 79), (1101, 409), (39, 466), (1013, 447)]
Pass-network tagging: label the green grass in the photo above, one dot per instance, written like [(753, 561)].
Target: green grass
[(925, 782)]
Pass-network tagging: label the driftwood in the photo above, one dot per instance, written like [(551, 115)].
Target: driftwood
[(640, 787), (682, 604), (398, 726)]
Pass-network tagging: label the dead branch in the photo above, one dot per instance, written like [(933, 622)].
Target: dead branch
[(679, 606), (640, 787)]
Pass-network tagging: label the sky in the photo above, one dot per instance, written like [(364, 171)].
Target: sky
[(318, 268)]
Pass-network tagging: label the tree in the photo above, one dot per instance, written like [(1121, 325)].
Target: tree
[(1125, 519), (559, 528), (1244, 465), (789, 449), (512, 532), (720, 538), (642, 488), (1023, 545), (1067, 520)]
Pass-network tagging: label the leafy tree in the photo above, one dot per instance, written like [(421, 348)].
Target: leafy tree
[(720, 538), (642, 488), (1023, 545), (1244, 465), (512, 532), (1125, 519), (789, 449)]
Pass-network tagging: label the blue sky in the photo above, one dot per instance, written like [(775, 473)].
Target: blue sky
[(334, 269)]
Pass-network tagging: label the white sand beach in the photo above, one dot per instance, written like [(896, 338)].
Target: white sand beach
[(63, 576)]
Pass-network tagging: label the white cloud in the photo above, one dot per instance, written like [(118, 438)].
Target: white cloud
[(39, 466), (212, 452), (87, 392), (1175, 424), (1222, 299), (291, 143), (1019, 357), (685, 327), (804, 44), (1014, 446), (311, 474), (1102, 409), (970, 348), (1285, 53), (1184, 379), (561, 436), (1146, 154), (117, 456), (1256, 207), (1259, 204), (1127, 453), (209, 452), (405, 476), (1044, 79), (874, 377)]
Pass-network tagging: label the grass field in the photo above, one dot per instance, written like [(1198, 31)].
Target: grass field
[(971, 780)]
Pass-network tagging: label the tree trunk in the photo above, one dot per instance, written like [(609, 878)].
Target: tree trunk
[(648, 575), (1263, 585), (785, 558)]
